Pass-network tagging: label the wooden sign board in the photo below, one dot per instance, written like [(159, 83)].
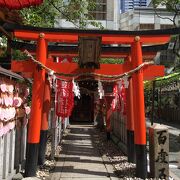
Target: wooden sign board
[(89, 52)]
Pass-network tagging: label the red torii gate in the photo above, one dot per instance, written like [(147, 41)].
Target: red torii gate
[(136, 93)]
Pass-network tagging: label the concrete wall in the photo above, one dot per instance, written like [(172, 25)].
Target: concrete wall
[(131, 20)]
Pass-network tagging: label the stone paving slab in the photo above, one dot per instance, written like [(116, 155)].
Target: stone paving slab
[(80, 158), (84, 178)]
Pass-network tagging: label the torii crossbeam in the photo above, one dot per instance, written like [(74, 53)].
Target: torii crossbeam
[(72, 69)]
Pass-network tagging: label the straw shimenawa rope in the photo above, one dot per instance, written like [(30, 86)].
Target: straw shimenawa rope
[(77, 75)]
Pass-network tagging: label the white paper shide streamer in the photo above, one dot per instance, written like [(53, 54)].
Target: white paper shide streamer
[(100, 89), (76, 89), (52, 79), (126, 82), (119, 84)]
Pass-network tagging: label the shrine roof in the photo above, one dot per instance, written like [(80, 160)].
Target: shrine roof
[(9, 17), (10, 74), (12, 27)]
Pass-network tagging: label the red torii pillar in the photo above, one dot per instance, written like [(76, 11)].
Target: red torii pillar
[(44, 122), (139, 111), (36, 112), (130, 119), (108, 101)]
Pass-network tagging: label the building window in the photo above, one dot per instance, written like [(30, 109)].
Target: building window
[(101, 10), (166, 26), (146, 26)]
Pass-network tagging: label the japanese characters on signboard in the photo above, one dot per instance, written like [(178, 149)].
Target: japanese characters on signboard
[(161, 153)]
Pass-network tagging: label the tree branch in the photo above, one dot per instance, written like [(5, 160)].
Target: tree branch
[(174, 50), (162, 17), (63, 14)]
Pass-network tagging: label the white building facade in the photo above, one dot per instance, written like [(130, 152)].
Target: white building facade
[(127, 5), (107, 14), (146, 18)]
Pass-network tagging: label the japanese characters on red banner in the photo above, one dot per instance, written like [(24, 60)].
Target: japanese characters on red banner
[(64, 98)]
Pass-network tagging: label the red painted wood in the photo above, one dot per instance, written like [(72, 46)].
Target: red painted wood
[(27, 74), (46, 106), (150, 72), (22, 66), (138, 89), (129, 104), (108, 101), (146, 55), (106, 38), (37, 95)]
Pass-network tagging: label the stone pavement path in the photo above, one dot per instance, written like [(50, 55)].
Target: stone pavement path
[(80, 158)]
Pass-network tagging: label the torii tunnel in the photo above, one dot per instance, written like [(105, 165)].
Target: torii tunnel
[(137, 40)]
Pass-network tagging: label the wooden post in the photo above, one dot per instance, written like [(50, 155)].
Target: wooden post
[(6, 155), (152, 109), (12, 150), (36, 112), (139, 112), (159, 151), (108, 100), (1, 156), (44, 123)]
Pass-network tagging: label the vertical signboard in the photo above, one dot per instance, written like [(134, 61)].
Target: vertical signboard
[(159, 151)]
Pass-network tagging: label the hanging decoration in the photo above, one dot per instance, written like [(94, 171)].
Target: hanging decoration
[(119, 93), (51, 79), (116, 98), (100, 89), (64, 98), (76, 89), (126, 82), (19, 4), (122, 94), (12, 99)]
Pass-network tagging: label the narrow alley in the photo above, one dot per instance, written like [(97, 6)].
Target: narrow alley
[(81, 157)]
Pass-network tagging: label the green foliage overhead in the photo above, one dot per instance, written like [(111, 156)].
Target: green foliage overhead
[(106, 60), (19, 55), (171, 5), (42, 16), (111, 61), (75, 11)]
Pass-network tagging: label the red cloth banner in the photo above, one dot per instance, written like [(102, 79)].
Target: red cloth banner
[(64, 99), (122, 95), (115, 101), (19, 4), (119, 101)]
